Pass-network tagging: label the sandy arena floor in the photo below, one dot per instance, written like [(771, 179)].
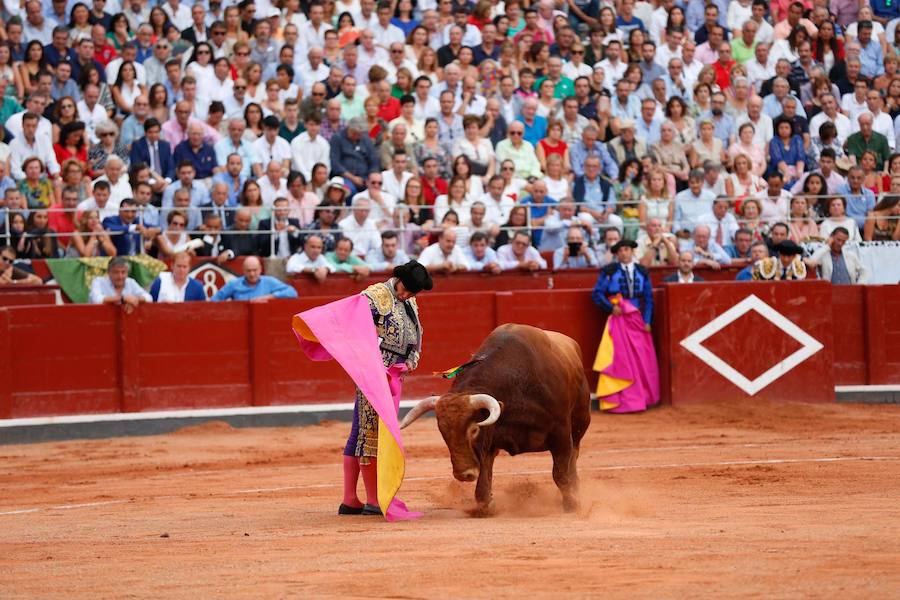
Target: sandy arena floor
[(790, 501)]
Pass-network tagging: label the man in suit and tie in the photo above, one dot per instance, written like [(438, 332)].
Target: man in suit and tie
[(280, 235), (218, 204), (154, 151)]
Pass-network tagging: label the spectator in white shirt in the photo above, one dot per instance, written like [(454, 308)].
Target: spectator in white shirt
[(760, 68), (721, 223), (313, 71), (35, 104), (496, 201), (271, 147), (128, 54), (370, 54), (360, 228), (444, 256), (237, 100), (399, 61), (520, 255), (273, 185), (830, 113), (381, 205), (385, 32), (29, 143), (115, 174), (312, 33), (310, 260), (36, 26), (116, 287), (471, 33), (100, 201), (91, 112), (613, 67), (309, 148), (707, 252), (220, 86), (427, 105), (179, 14), (396, 177)]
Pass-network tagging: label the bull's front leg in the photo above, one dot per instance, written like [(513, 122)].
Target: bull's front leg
[(564, 473), (485, 483)]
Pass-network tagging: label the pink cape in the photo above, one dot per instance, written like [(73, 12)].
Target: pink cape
[(626, 360), (344, 331)]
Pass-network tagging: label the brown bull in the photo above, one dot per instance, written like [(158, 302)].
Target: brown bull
[(527, 392)]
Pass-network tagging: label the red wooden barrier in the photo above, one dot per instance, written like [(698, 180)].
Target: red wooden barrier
[(62, 360), (27, 295), (98, 359), (761, 340), (575, 279), (848, 325), (882, 308)]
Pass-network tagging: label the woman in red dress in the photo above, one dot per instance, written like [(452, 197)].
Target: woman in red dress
[(553, 144), (71, 145)]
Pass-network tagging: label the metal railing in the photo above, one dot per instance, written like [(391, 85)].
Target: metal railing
[(399, 228)]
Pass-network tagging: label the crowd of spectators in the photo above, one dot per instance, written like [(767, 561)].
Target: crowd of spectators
[(349, 136)]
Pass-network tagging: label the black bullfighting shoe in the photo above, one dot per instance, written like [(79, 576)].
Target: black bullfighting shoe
[(371, 509), (343, 509)]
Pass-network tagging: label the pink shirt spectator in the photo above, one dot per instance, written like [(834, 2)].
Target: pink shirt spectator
[(705, 54), (174, 133), (783, 29), (779, 8)]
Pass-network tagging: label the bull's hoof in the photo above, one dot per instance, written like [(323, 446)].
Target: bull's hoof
[(482, 510), (570, 504)]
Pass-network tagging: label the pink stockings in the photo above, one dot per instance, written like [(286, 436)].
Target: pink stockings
[(352, 469)]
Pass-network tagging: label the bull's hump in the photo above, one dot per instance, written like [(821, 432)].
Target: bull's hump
[(535, 337)]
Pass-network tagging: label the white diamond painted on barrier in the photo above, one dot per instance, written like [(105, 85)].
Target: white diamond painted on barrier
[(694, 344)]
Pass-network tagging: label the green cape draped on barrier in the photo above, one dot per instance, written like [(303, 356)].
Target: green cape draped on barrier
[(75, 275)]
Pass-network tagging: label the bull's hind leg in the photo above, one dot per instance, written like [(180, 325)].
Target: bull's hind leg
[(564, 473), (581, 420)]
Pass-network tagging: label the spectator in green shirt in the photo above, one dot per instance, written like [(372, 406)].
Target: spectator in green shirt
[(868, 139), (563, 87), (344, 261), (743, 47)]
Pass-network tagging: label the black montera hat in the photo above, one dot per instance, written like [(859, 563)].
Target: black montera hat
[(788, 247), (414, 277), (621, 244)]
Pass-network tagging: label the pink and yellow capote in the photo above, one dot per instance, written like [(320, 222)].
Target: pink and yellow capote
[(344, 331), (626, 361)]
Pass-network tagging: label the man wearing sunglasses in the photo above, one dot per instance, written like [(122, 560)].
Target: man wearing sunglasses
[(10, 275), (520, 152)]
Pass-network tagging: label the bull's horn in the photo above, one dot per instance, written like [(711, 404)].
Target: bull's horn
[(424, 406), (490, 403)]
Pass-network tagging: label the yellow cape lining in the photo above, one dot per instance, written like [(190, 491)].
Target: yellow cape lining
[(607, 385)]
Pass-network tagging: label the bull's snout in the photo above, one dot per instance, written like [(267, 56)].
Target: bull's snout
[(467, 475)]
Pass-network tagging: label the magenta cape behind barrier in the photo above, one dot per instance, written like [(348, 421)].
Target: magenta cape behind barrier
[(626, 360), (344, 331)]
